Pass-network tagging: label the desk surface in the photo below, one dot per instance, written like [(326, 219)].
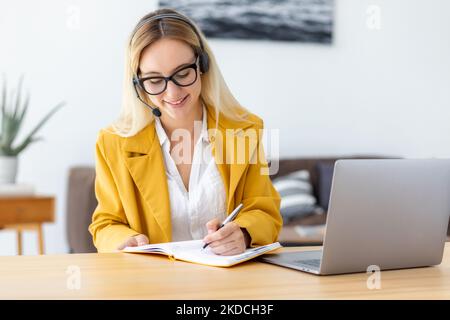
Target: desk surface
[(140, 276)]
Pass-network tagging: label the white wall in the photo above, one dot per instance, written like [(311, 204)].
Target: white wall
[(373, 91)]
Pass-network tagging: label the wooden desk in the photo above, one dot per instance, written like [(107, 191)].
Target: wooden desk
[(26, 213), (134, 276)]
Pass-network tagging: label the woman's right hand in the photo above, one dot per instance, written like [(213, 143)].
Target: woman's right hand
[(134, 241)]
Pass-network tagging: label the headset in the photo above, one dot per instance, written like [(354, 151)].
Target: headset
[(203, 58)]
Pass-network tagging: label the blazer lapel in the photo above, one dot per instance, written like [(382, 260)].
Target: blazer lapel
[(144, 159), (230, 169)]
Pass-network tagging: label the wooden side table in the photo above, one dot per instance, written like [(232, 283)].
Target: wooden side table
[(27, 213)]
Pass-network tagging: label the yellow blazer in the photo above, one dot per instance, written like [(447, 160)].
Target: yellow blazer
[(132, 193)]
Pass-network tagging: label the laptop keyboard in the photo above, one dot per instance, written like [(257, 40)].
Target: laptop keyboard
[(311, 262)]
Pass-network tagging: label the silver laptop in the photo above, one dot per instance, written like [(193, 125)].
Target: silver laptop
[(391, 214)]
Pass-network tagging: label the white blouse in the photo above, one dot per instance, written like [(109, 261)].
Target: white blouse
[(206, 199)]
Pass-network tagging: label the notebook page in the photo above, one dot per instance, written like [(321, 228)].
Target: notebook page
[(193, 251), (167, 247), (163, 248)]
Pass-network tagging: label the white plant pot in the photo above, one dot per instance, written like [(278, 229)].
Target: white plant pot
[(8, 169)]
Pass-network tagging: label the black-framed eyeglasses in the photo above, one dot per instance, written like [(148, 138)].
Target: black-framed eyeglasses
[(183, 77)]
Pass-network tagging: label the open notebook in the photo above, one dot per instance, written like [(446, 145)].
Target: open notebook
[(192, 251)]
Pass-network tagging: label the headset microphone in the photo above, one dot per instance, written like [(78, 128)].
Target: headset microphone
[(156, 112)]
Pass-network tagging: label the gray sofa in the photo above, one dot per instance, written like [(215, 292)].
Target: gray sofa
[(81, 203)]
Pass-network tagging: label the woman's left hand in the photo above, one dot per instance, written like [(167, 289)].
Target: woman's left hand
[(228, 240)]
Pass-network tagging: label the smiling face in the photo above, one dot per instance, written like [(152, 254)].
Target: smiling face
[(164, 58)]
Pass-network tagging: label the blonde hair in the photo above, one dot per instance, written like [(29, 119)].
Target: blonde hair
[(134, 115)]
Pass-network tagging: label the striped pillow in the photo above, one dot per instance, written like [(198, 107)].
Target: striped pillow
[(296, 193)]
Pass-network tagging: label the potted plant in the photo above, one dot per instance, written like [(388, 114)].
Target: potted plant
[(13, 111)]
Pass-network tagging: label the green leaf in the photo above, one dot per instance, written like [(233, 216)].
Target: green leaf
[(4, 94), (4, 97), (24, 108), (12, 126), (44, 120), (13, 114), (23, 145), (18, 97)]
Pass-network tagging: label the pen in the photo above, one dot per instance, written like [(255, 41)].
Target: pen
[(230, 218)]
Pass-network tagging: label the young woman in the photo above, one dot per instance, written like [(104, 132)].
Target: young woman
[(171, 167)]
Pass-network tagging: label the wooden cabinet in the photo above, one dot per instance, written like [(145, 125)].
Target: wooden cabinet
[(27, 213)]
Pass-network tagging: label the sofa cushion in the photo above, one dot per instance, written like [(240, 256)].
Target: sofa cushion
[(296, 191)]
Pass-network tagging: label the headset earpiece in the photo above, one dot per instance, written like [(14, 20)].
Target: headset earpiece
[(203, 62)]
